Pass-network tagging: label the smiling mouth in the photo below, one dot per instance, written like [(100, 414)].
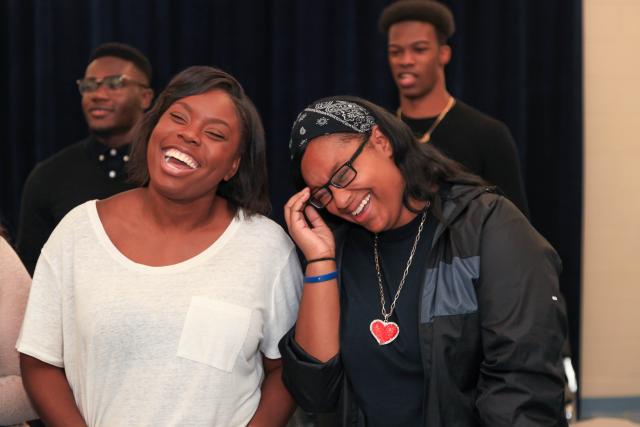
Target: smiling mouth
[(99, 111), (180, 158), (362, 205), (407, 79)]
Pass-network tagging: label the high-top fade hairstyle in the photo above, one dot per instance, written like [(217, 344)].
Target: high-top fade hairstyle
[(430, 11), (422, 166), (126, 52), (248, 187)]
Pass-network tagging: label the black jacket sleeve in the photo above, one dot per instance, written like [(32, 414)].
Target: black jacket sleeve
[(523, 324), (36, 221), (314, 385)]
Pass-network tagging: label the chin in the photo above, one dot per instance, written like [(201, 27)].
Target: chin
[(102, 130), (413, 93)]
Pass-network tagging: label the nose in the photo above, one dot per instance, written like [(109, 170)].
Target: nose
[(100, 93), (341, 197), (189, 135), (406, 58)]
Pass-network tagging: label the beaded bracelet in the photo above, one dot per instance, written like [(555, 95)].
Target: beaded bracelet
[(321, 278), (320, 259)]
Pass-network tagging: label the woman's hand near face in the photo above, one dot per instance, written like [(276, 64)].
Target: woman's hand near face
[(315, 241), (318, 325)]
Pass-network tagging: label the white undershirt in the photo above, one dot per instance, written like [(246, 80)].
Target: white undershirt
[(178, 345)]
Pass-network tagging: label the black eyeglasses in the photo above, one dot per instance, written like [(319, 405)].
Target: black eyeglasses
[(91, 84), (321, 197)]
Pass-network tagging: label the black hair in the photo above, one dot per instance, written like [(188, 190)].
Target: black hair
[(126, 52), (248, 187), (430, 11)]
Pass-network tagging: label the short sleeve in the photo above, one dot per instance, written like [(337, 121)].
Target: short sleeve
[(41, 333), (282, 309)]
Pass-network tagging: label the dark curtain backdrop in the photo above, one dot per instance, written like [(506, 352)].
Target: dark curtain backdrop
[(518, 60)]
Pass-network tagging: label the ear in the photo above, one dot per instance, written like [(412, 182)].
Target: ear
[(444, 54), (380, 142), (145, 98), (234, 169)]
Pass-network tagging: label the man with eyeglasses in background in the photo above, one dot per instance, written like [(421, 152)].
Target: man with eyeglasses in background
[(115, 93)]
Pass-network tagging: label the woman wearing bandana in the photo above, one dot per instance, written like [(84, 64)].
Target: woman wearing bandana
[(429, 299)]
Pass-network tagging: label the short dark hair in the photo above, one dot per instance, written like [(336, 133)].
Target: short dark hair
[(430, 11), (248, 187), (126, 52), (422, 166)]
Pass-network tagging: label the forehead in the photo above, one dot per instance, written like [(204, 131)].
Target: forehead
[(411, 32), (214, 105), (324, 155), (113, 66)]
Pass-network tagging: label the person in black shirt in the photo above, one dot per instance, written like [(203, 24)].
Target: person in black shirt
[(417, 33), (429, 299), (115, 92)]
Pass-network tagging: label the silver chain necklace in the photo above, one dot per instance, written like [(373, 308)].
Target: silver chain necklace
[(384, 331)]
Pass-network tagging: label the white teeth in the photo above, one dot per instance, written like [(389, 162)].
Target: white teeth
[(183, 157), (362, 204)]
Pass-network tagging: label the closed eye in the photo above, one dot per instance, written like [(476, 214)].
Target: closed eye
[(215, 135), (177, 117)]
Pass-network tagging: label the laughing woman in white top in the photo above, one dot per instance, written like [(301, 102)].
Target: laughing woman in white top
[(164, 305)]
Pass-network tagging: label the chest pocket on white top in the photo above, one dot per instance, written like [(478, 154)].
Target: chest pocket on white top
[(214, 332)]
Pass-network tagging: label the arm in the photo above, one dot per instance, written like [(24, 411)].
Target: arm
[(312, 369), (14, 289), (523, 325), (50, 393), (317, 328), (14, 403), (502, 167), (35, 224), (276, 404)]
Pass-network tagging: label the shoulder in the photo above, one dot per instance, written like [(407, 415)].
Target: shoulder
[(11, 268), (472, 207), (470, 113), (477, 119), (264, 232), (75, 225), (63, 157), (50, 168)]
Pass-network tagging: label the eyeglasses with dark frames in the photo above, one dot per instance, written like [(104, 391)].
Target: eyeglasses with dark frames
[(91, 84), (345, 174)]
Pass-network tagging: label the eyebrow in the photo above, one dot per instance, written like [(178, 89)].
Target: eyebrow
[(428, 42), (207, 119)]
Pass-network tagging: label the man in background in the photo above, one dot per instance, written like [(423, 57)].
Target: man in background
[(115, 92), (417, 33)]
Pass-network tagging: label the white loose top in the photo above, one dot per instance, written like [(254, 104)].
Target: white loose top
[(177, 345)]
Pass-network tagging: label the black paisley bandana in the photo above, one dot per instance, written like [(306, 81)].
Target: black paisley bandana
[(325, 117)]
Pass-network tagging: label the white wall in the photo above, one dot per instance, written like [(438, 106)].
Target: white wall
[(611, 247)]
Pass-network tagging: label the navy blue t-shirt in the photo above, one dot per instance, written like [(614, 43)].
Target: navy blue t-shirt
[(387, 380)]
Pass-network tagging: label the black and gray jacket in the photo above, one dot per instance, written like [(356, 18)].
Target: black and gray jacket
[(492, 325)]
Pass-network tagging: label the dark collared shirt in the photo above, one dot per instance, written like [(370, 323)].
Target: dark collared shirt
[(83, 171)]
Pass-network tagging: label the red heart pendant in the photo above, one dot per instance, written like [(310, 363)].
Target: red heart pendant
[(384, 332)]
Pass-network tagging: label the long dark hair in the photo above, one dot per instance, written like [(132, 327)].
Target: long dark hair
[(423, 167), (248, 187)]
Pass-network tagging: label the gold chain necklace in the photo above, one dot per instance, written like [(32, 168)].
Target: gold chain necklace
[(382, 330), (427, 135)]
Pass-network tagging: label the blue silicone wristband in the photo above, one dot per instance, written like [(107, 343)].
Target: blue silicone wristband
[(321, 278)]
